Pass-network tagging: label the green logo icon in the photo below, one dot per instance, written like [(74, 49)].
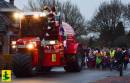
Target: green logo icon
[(6, 75)]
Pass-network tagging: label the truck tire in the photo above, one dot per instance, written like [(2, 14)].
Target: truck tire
[(77, 64), (22, 65), (77, 67)]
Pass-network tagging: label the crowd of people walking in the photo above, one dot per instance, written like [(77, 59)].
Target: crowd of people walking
[(104, 58)]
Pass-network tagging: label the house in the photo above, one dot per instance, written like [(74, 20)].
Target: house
[(7, 24)]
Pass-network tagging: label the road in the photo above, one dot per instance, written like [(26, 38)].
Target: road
[(58, 75)]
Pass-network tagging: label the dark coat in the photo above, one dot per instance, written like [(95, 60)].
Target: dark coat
[(119, 56)]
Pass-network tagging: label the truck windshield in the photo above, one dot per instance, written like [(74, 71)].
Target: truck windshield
[(38, 27), (31, 26)]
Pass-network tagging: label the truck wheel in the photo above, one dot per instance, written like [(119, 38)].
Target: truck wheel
[(75, 66), (79, 61), (22, 65), (78, 64)]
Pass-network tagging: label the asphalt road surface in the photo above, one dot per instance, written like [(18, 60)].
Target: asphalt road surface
[(58, 75)]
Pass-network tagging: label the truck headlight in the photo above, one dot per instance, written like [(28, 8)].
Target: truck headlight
[(14, 46), (52, 42), (30, 46), (13, 42)]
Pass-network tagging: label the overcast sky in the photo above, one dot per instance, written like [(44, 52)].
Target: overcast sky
[(87, 7)]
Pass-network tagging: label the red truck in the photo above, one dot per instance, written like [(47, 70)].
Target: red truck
[(45, 44)]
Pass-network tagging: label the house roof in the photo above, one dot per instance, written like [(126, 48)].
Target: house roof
[(4, 20), (5, 4)]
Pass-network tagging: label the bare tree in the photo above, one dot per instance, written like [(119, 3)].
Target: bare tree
[(127, 12), (107, 21), (127, 15), (71, 13)]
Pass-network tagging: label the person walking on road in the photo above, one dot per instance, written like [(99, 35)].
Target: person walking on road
[(126, 58), (98, 59), (119, 56)]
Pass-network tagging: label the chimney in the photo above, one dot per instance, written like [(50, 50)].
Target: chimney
[(11, 2)]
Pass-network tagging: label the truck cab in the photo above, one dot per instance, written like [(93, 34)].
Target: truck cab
[(45, 43)]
